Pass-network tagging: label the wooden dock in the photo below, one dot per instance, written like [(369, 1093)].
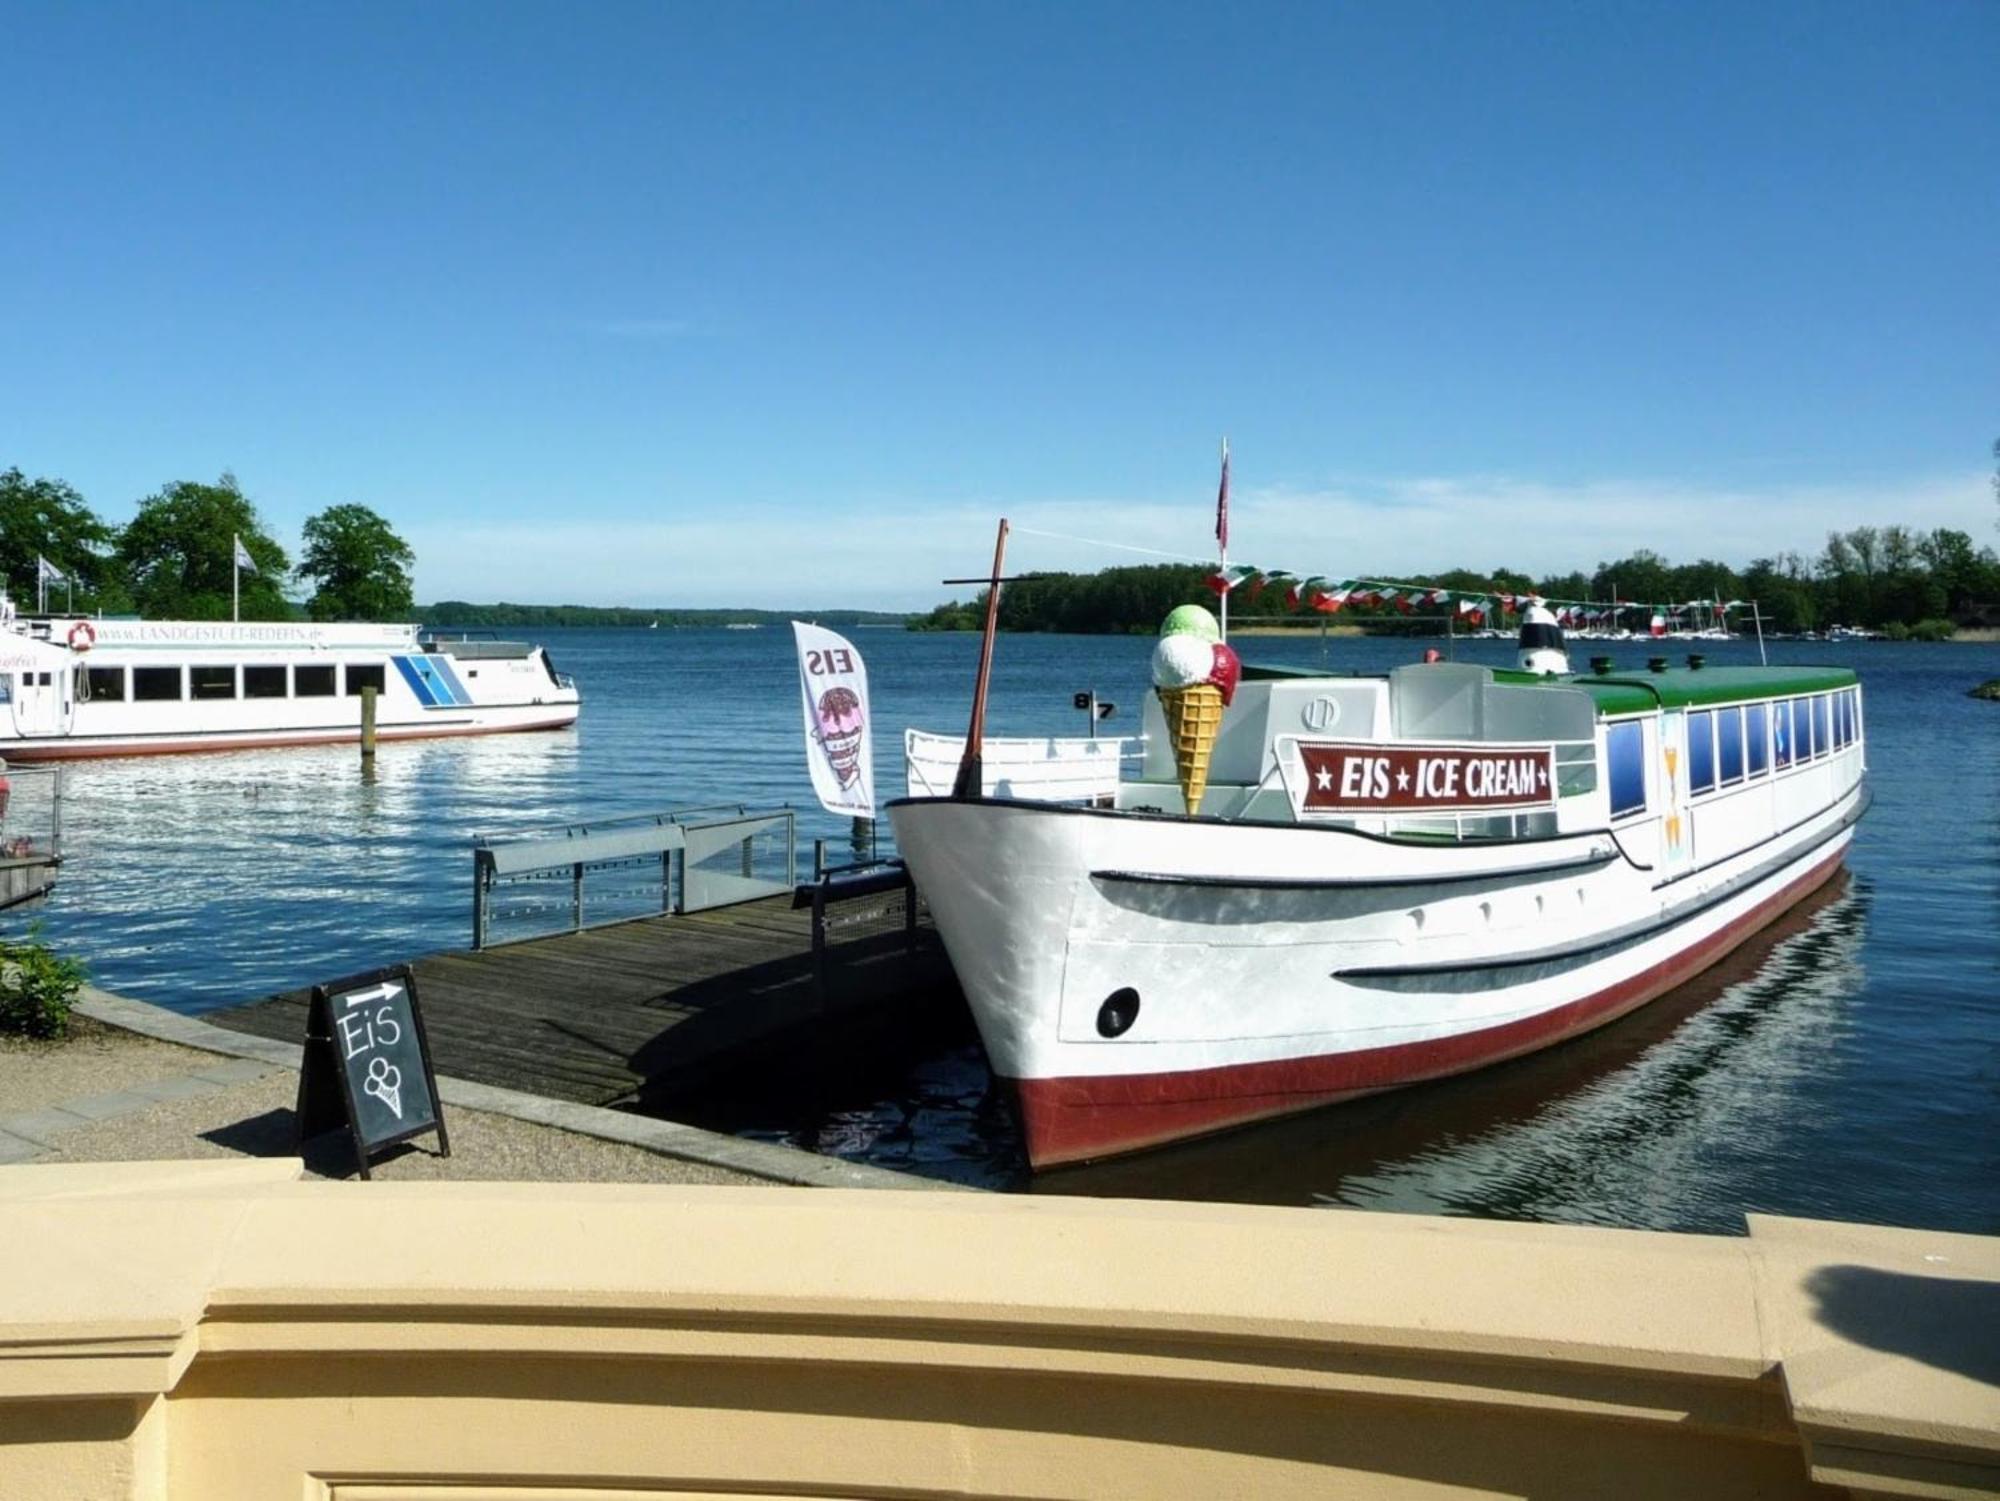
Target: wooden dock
[(653, 1006)]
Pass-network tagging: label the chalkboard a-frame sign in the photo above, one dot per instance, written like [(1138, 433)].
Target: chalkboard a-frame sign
[(367, 1065)]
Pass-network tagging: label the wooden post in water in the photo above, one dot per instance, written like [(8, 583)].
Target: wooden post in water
[(368, 724)]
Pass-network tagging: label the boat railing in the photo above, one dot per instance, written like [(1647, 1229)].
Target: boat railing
[(568, 877), (1041, 770)]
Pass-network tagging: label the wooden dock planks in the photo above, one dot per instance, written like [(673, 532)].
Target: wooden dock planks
[(651, 1004)]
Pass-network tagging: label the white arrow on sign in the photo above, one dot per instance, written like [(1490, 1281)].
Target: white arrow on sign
[(388, 990)]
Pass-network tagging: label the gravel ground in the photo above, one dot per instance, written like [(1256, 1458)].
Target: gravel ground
[(93, 1059), (255, 1120)]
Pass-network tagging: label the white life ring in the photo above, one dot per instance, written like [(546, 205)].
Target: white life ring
[(82, 636)]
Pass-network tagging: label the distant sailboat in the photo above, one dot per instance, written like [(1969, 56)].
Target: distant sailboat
[(654, 626)]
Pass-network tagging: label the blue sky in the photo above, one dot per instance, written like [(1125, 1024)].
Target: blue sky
[(786, 304)]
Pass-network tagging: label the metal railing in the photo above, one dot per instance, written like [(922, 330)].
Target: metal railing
[(31, 813), (588, 875)]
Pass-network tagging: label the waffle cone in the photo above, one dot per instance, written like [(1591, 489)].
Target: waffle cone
[(1194, 714)]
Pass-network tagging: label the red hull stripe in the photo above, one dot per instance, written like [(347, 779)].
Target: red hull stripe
[(1083, 1117), (53, 749)]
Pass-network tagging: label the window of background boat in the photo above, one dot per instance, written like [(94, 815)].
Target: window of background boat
[(1822, 725), (263, 682), (1625, 755), (364, 675), (1801, 729), (156, 684), (106, 682), (1729, 724), (313, 682), (1781, 735), (1757, 737), (211, 682), (1701, 752)]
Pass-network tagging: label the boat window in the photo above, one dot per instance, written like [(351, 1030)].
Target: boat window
[(1822, 726), (1701, 752), (263, 682), (1781, 735), (1730, 723), (211, 682), (313, 682), (156, 684), (364, 675), (105, 682), (1625, 753), (1757, 738)]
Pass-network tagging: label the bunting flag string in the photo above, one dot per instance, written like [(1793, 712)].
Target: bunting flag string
[(1476, 606)]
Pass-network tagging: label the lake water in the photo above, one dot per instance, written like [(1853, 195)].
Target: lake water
[(1847, 1066)]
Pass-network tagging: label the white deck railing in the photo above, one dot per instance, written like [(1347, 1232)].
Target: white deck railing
[(1045, 771)]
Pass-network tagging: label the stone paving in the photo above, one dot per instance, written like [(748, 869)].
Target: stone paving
[(181, 1087)]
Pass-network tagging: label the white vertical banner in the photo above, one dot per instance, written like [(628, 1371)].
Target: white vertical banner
[(834, 684)]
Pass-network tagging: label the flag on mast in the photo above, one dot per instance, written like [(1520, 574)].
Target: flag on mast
[(47, 572), (1222, 505), (243, 558)]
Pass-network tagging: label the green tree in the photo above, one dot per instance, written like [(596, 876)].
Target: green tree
[(49, 518), (177, 554), (360, 567)]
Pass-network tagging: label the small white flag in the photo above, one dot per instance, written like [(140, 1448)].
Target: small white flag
[(834, 684), (243, 558), (47, 571)]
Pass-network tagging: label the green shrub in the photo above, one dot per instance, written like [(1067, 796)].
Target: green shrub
[(1895, 630), (37, 987), (1933, 630)]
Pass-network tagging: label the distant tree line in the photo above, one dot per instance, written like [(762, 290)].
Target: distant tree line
[(175, 559), (457, 613), (1891, 578)]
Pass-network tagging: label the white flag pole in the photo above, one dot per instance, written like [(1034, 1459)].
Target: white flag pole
[(41, 585), (235, 578)]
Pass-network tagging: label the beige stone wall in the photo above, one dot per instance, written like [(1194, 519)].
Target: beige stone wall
[(219, 1331)]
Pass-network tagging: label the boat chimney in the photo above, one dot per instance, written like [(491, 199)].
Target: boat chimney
[(1656, 664), (1601, 666), (1541, 648), (1695, 661)]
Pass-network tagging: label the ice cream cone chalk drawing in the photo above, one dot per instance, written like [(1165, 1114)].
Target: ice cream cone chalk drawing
[(1195, 674)]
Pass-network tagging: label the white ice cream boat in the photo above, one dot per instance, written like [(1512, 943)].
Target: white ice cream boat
[(1391, 879)]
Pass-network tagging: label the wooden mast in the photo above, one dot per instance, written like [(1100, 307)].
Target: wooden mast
[(971, 770)]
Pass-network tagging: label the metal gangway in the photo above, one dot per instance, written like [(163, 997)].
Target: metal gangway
[(30, 831), (569, 877)]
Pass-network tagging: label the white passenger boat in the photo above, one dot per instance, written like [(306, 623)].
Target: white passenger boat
[(82, 687), (1390, 879)]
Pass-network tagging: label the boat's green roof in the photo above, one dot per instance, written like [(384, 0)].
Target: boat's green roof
[(1641, 692), (1698, 687)]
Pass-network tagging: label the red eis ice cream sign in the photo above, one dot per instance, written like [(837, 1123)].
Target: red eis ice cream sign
[(1335, 776)]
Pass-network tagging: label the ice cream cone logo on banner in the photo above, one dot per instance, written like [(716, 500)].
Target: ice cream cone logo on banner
[(834, 684), (1194, 674)]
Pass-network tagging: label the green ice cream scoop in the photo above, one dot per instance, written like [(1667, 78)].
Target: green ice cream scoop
[(1191, 620)]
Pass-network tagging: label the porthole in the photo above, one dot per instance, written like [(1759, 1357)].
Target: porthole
[(1119, 1011)]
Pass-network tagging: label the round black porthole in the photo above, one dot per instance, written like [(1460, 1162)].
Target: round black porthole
[(1119, 1011)]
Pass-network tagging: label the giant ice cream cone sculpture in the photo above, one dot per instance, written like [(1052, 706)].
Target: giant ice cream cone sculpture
[(1194, 675)]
